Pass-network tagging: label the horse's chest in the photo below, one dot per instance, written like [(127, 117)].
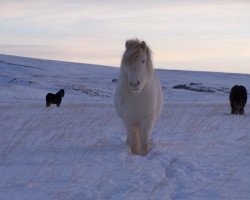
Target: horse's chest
[(135, 107)]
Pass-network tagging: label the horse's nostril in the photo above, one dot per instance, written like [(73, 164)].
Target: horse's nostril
[(134, 84)]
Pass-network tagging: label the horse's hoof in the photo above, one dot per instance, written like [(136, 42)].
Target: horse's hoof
[(144, 153), (135, 151)]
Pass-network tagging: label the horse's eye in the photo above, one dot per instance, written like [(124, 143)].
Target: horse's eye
[(143, 61)]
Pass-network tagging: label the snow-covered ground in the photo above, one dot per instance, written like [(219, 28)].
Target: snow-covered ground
[(78, 151)]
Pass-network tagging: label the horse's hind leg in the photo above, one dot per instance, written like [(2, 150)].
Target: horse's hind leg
[(241, 110), (133, 140), (47, 104)]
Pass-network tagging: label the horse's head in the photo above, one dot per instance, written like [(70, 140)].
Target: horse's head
[(61, 92), (137, 64)]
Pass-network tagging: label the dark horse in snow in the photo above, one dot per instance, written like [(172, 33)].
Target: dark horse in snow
[(238, 99), (54, 98)]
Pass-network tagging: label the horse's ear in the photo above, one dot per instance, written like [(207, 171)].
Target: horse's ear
[(127, 44), (143, 45)]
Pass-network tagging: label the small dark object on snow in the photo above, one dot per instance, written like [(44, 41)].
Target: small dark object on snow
[(54, 98), (238, 99)]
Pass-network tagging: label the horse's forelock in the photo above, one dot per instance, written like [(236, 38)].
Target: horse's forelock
[(130, 55)]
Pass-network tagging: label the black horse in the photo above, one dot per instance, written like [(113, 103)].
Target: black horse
[(238, 99), (54, 98)]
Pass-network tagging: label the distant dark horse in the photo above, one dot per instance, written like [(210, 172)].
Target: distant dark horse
[(54, 98), (238, 99)]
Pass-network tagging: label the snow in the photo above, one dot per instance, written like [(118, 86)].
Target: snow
[(78, 151)]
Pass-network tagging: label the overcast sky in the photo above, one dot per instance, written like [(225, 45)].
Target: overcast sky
[(183, 34)]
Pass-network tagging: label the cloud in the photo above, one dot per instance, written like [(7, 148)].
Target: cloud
[(181, 33)]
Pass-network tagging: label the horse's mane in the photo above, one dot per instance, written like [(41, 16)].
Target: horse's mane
[(60, 93), (133, 49)]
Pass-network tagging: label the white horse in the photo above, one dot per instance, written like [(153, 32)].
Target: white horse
[(138, 98)]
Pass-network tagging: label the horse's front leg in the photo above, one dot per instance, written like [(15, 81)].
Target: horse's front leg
[(144, 136), (133, 140)]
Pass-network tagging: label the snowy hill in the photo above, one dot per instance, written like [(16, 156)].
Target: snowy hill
[(32, 79), (77, 151)]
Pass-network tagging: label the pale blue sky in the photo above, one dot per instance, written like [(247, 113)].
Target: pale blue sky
[(203, 35)]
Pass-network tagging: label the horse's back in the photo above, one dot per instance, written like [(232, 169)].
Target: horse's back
[(49, 96), (159, 95), (238, 93)]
